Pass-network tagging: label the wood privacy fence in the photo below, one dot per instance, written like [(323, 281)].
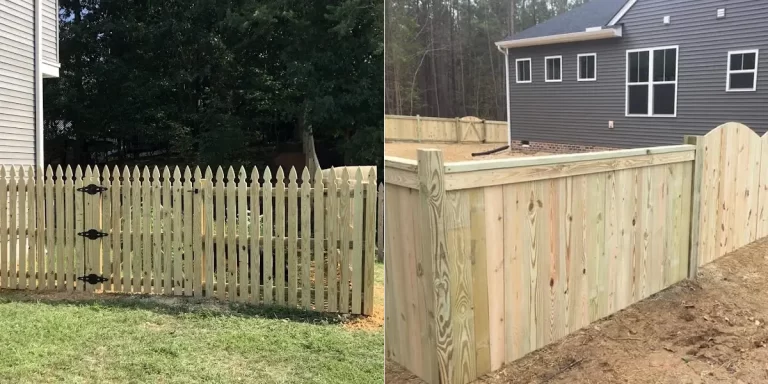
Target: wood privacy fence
[(490, 260), (242, 237), (441, 130)]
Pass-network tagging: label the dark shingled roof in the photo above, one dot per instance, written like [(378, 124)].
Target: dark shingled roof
[(595, 13)]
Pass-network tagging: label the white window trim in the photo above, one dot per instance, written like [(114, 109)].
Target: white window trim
[(650, 81), (578, 67), (729, 71), (546, 70), (530, 71)]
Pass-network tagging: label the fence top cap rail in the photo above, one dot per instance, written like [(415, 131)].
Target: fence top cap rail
[(470, 166), (400, 163)]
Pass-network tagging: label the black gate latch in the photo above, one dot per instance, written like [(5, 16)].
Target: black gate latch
[(92, 189), (93, 279), (92, 234)]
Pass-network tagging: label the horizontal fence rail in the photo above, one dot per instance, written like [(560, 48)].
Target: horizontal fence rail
[(248, 237), (442, 130)]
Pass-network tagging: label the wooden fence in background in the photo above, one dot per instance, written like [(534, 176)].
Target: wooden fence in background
[(490, 260), (442, 130), (240, 236)]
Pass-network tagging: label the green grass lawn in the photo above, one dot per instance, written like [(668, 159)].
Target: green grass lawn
[(138, 339)]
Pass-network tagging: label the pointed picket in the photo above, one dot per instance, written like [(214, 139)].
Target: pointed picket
[(145, 232), (231, 234), (156, 234), (268, 236), (112, 268), (221, 268), (187, 219), (293, 238), (197, 233), (319, 236), (70, 230), (5, 211), (42, 232), (357, 245), (369, 242), (60, 241), (242, 235), (177, 232), (254, 231), (79, 255), (332, 248), (167, 232), (209, 234), (136, 221), (306, 204), (345, 235), (280, 237), (127, 278)]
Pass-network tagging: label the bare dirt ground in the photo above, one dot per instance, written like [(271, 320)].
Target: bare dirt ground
[(711, 330), (454, 152)]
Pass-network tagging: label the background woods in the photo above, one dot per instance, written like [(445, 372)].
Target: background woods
[(216, 82), (441, 60)]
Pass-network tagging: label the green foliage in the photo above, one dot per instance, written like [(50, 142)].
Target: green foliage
[(213, 81)]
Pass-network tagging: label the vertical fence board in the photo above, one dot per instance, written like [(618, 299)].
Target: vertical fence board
[(42, 230), (332, 229), (106, 225), (268, 228), (69, 217), (116, 284), (279, 224), (4, 215), (79, 255), (370, 243), (167, 233), (255, 229), (292, 237), (380, 226), (157, 233), (306, 286), (187, 218), (345, 235), (209, 235), (21, 235), (242, 227), (136, 235), (319, 245), (762, 201), (357, 244), (231, 234), (13, 225), (146, 231), (221, 268), (31, 238), (198, 212)]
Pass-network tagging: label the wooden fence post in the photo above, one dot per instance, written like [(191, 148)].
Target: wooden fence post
[(458, 130), (380, 225), (431, 174), (418, 128), (698, 167)]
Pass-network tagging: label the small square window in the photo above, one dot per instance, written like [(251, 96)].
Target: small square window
[(587, 64), (553, 69), (523, 70), (742, 71)]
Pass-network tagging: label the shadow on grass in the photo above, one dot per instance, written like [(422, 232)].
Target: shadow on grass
[(173, 305)]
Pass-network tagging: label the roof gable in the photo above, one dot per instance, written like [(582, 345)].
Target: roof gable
[(595, 13)]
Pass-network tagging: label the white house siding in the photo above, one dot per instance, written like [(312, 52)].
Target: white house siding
[(17, 82), (49, 23)]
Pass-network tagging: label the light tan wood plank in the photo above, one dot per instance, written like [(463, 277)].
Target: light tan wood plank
[(231, 230), (292, 256), (319, 233), (346, 236), (69, 222), (269, 256), (157, 232), (20, 266), (5, 213), (146, 232), (13, 225), (369, 242), (332, 234), (198, 214), (280, 226), (177, 235), (242, 228), (255, 231), (356, 258), (306, 203), (479, 258), (115, 284), (208, 202), (168, 246)]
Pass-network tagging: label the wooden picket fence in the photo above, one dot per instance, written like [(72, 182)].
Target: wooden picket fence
[(306, 242)]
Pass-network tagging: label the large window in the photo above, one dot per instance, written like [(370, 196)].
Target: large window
[(742, 71), (652, 82), (587, 67), (553, 68), (523, 70)]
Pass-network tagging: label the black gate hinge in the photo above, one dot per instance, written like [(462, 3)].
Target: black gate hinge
[(93, 279), (92, 234), (92, 189)]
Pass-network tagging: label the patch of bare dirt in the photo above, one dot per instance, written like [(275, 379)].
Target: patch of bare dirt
[(454, 152), (376, 319), (711, 330)]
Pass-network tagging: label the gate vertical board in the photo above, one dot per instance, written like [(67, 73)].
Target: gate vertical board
[(197, 253), (87, 213), (167, 233), (267, 231), (319, 254), (254, 259), (219, 217), (114, 266), (21, 234), (187, 218), (12, 230), (127, 227), (344, 228), (42, 231), (31, 238), (242, 235), (357, 244), (59, 237), (106, 225), (292, 237), (157, 234), (306, 287), (136, 231), (231, 234), (209, 256), (146, 232), (3, 229), (279, 223), (69, 224), (177, 234)]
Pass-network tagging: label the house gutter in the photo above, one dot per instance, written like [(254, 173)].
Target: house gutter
[(38, 86), (506, 71), (595, 33)]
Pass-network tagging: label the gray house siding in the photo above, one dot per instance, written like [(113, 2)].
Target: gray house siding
[(17, 82), (578, 112), (50, 26)]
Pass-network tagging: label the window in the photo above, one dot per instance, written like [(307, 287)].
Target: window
[(587, 67), (652, 82), (553, 68), (742, 71), (523, 70)]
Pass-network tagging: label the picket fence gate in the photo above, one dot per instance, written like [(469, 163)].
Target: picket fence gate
[(247, 239)]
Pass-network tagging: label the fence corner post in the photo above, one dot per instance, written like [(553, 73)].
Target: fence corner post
[(698, 167), (431, 175)]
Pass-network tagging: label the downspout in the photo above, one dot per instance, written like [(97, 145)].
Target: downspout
[(509, 117), (38, 85)]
